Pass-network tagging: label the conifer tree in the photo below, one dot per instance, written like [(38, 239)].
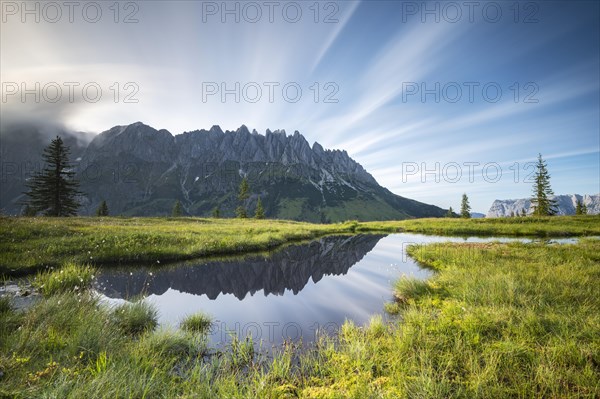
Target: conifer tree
[(584, 209), (216, 213), (542, 204), (29, 211), (53, 190), (578, 208), (244, 192), (465, 208), (243, 195), (177, 212), (523, 213), (260, 212), (102, 209), (450, 213), (240, 212)]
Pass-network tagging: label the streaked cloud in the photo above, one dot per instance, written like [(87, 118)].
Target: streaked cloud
[(370, 54)]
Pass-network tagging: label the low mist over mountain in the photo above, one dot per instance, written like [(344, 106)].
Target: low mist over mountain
[(565, 205), (139, 170)]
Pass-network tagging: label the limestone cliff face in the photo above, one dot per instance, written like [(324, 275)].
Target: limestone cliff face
[(142, 171), (139, 170), (143, 143)]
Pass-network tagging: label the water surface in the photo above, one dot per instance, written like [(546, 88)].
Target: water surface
[(287, 294)]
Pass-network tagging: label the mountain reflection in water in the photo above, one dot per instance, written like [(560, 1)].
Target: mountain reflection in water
[(306, 288), (290, 268)]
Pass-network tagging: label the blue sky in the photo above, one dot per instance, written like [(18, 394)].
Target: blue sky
[(374, 58)]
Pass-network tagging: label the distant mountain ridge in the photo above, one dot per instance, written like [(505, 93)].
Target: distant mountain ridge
[(217, 146), (565, 205), (142, 171)]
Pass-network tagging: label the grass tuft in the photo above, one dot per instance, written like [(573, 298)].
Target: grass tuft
[(5, 305), (241, 352), (409, 288), (70, 277), (198, 323), (171, 344), (392, 308), (135, 318)]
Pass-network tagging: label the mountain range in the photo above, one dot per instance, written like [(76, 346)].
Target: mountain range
[(565, 205), (141, 171)]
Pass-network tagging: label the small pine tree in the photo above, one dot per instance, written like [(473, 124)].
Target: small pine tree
[(465, 208), (523, 213), (260, 212), (244, 192), (29, 211), (578, 208), (541, 202), (102, 209), (450, 213), (240, 212), (53, 191), (243, 195), (177, 212), (512, 214), (584, 210), (216, 213)]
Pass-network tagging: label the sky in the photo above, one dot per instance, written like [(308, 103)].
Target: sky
[(434, 99)]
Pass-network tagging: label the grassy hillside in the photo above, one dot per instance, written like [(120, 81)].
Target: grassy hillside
[(287, 191)]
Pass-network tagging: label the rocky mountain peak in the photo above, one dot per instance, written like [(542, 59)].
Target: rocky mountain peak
[(565, 205), (140, 170), (148, 144), (243, 130), (216, 129), (138, 140)]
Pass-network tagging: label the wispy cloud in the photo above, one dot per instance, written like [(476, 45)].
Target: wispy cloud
[(338, 28), (370, 53)]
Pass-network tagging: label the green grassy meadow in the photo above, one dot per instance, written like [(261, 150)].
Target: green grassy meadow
[(495, 321), (555, 226), (28, 244)]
